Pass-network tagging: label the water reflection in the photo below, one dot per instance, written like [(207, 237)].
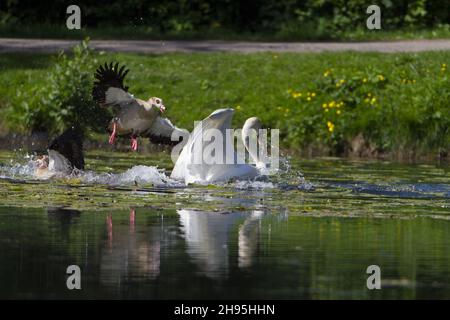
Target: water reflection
[(208, 236), (149, 253), (129, 254)]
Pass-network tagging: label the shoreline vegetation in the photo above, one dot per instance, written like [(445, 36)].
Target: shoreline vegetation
[(262, 20), (369, 105)]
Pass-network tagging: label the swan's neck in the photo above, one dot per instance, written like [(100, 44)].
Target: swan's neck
[(251, 141)]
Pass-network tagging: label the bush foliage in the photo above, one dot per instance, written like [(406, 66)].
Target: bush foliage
[(62, 99), (317, 18)]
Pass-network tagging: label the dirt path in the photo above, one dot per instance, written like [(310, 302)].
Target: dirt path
[(38, 45)]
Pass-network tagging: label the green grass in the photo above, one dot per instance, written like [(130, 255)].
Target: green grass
[(327, 103), (295, 32)]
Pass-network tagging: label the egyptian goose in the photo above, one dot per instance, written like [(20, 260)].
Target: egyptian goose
[(134, 117)]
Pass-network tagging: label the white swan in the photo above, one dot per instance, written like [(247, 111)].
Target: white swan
[(194, 166)]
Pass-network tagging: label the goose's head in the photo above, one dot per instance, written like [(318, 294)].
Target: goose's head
[(42, 162), (158, 103)]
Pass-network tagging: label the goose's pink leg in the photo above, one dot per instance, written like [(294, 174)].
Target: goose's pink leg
[(109, 225), (112, 137), (132, 220), (134, 143)]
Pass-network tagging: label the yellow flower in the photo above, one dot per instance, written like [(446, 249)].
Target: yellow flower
[(373, 100), (289, 90), (275, 56), (327, 73), (238, 107), (338, 112), (330, 126), (331, 104), (364, 80), (381, 77), (296, 95), (324, 105), (340, 83), (308, 99), (313, 94)]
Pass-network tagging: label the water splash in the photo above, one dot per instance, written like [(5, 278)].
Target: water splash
[(18, 170), (137, 174)]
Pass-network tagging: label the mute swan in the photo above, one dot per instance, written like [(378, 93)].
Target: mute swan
[(65, 153), (135, 117), (191, 169)]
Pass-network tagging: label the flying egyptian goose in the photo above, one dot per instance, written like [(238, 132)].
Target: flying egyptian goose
[(65, 154), (134, 117)]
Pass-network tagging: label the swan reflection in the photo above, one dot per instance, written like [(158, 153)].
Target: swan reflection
[(208, 236)]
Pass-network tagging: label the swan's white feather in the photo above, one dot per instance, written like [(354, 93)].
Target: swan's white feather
[(190, 169)]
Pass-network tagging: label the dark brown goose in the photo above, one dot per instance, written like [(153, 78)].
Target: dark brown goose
[(65, 154)]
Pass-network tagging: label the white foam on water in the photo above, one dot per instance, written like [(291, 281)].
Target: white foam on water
[(18, 170), (141, 174), (252, 184), (137, 174)]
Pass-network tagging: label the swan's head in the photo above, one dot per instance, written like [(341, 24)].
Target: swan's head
[(251, 128), (158, 103)]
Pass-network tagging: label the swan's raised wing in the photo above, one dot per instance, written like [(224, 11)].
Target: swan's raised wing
[(163, 131), (195, 165), (109, 89)]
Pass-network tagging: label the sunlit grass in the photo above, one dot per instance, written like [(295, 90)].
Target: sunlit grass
[(320, 102)]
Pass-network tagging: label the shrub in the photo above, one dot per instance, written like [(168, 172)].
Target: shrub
[(63, 100)]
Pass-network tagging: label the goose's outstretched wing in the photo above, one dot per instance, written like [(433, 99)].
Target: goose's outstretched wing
[(163, 131), (109, 88)]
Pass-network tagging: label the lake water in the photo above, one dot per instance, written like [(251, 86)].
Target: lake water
[(308, 233)]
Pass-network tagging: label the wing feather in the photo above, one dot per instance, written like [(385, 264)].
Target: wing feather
[(161, 132), (107, 77)]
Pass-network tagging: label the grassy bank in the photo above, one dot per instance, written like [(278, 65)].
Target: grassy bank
[(329, 103)]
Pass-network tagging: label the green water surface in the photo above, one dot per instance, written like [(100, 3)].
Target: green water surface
[(290, 236)]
